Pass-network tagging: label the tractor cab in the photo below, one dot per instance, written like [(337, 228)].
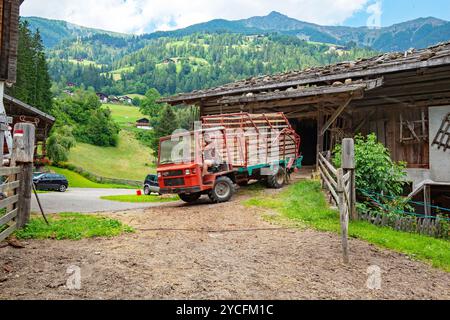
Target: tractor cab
[(194, 163)]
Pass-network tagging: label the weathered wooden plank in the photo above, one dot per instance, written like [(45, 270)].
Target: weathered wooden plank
[(9, 186), (8, 217), (328, 164), (330, 188), (9, 201), (325, 171), (337, 113), (7, 171), (347, 177), (6, 233)]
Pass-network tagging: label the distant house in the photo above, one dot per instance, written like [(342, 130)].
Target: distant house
[(143, 123), (169, 61), (114, 99), (71, 84), (126, 99), (68, 92), (102, 97)]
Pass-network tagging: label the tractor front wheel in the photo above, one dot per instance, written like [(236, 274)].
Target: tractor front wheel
[(190, 198), (223, 190)]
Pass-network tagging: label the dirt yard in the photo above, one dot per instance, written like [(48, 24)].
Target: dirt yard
[(208, 251)]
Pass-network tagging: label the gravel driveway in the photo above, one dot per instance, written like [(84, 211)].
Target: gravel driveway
[(205, 251), (85, 200)]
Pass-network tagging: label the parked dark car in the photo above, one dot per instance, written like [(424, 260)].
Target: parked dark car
[(50, 181), (151, 184)]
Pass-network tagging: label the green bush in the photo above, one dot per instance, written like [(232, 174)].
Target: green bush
[(377, 175), (375, 171), (91, 122)]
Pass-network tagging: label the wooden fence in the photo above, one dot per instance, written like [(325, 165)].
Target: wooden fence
[(340, 182), (15, 207), (9, 203), (432, 226)]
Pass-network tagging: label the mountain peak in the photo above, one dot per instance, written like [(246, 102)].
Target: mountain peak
[(277, 14)]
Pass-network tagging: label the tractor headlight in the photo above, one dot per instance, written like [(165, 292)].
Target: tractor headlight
[(187, 172)]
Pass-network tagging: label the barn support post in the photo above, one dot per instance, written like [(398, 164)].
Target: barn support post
[(348, 164), (23, 156)]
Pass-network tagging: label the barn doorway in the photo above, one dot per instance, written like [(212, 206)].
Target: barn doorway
[(307, 129)]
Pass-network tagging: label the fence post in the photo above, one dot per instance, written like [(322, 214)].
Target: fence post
[(343, 213), (348, 164), (22, 156)]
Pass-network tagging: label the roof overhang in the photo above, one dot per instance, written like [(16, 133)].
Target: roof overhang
[(365, 68), (21, 108), (355, 89)]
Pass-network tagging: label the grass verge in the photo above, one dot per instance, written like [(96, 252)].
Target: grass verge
[(78, 181), (140, 199), (73, 226), (304, 202)]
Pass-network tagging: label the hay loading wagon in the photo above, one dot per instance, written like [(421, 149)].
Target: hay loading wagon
[(227, 150)]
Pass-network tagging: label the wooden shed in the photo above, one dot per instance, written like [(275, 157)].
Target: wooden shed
[(402, 97), (22, 112)]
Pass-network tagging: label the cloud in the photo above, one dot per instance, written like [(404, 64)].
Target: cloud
[(139, 16)]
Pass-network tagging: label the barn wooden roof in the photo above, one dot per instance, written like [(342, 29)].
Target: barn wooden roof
[(307, 92), (435, 56), (15, 107)]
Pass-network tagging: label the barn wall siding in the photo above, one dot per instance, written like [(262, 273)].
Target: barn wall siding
[(439, 159)]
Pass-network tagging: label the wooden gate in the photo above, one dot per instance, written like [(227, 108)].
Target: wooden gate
[(9, 204), (341, 185), (16, 181)]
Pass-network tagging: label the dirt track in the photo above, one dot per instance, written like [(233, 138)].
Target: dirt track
[(179, 251)]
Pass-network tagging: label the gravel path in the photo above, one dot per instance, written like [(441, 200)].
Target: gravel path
[(85, 200), (206, 251)]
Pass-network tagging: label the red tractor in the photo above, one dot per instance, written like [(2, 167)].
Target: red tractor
[(228, 150)]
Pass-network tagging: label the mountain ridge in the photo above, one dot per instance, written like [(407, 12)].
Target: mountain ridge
[(417, 33)]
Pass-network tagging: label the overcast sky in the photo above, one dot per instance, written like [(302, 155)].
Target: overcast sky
[(139, 16)]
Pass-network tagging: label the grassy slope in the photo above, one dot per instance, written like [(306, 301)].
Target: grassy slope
[(129, 160), (124, 115), (305, 203), (78, 181)]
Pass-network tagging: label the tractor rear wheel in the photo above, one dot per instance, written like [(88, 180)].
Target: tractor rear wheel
[(277, 180), (223, 190), (190, 198)]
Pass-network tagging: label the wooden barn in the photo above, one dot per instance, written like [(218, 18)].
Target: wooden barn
[(402, 97), (22, 112)]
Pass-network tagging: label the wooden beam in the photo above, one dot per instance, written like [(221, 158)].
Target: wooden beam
[(335, 116)]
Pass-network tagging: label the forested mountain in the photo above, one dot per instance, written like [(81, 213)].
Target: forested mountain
[(215, 52), (55, 31), (117, 66), (417, 33)]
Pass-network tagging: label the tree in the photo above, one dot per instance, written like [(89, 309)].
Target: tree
[(91, 122), (100, 129), (136, 102), (33, 85), (59, 144), (149, 105), (166, 125)]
